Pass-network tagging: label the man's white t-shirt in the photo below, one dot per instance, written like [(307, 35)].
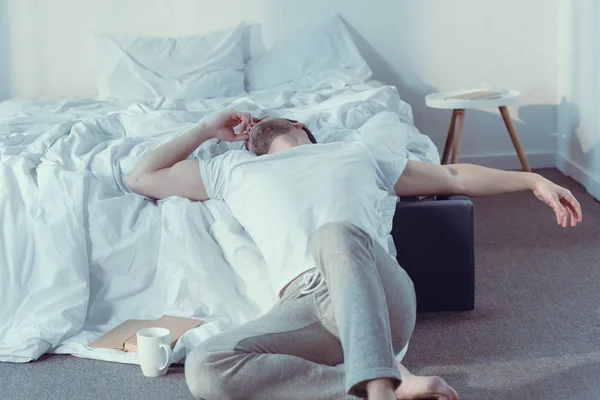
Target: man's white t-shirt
[(281, 199)]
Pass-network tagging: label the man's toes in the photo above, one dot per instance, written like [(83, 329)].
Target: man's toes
[(436, 384), (440, 386)]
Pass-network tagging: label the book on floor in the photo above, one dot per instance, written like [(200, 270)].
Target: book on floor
[(124, 336)]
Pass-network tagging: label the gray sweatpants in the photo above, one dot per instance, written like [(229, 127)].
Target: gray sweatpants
[(319, 345)]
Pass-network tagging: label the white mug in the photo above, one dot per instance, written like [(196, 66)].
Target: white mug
[(154, 351)]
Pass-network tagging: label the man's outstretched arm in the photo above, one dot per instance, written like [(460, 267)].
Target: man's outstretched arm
[(422, 179), (166, 172)]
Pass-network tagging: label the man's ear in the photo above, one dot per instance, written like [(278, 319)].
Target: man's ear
[(298, 125)]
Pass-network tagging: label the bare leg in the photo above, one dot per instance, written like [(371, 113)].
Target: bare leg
[(415, 387), (381, 389)]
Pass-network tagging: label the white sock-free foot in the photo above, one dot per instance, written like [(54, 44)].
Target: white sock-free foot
[(415, 387)]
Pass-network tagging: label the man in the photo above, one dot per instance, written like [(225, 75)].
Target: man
[(314, 210)]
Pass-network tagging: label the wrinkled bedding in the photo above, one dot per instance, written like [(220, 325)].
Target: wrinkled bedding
[(80, 253)]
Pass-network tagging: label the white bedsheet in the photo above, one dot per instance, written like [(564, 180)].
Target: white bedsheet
[(79, 254)]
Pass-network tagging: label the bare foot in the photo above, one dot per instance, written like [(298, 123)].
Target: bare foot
[(415, 387)]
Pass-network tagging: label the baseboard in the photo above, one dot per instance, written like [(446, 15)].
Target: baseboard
[(569, 168), (511, 161)]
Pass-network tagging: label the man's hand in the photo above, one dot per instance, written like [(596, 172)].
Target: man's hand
[(221, 125), (560, 199)]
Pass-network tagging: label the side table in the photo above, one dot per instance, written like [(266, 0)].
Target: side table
[(453, 140)]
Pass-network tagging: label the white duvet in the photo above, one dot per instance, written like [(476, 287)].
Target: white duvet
[(79, 253)]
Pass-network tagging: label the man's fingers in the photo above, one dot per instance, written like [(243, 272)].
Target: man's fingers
[(559, 218), (239, 137), (569, 215), (574, 218), (574, 204), (559, 210), (243, 126), (564, 204), (572, 213), (557, 207), (246, 120), (238, 115)]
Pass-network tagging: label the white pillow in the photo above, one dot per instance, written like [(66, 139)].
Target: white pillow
[(137, 68), (323, 57)]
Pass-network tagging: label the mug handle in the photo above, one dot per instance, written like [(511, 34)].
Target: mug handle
[(168, 357)]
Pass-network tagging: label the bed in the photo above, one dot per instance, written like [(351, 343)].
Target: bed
[(80, 253)]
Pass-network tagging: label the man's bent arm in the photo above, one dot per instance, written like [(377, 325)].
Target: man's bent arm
[(166, 172), (170, 153), (421, 179)]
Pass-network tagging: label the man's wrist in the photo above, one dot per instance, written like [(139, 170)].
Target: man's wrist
[(532, 179), (203, 131)]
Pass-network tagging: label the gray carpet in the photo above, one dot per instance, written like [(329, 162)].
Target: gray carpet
[(535, 333)]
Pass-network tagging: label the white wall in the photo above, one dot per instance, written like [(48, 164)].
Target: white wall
[(578, 153), (5, 68), (419, 46)]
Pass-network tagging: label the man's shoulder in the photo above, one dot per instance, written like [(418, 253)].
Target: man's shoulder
[(340, 144), (232, 155)]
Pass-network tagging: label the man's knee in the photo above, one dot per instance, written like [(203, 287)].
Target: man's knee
[(201, 374)]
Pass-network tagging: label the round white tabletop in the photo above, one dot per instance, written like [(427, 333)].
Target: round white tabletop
[(439, 99)]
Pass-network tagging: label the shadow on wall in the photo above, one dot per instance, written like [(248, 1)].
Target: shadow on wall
[(577, 145), (5, 53), (579, 140), (252, 41), (534, 120)]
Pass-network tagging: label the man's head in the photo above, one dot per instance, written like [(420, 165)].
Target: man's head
[(265, 131)]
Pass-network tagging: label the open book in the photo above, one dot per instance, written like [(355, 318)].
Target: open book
[(478, 95)]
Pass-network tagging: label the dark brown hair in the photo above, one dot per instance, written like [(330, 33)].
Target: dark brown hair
[(311, 137)]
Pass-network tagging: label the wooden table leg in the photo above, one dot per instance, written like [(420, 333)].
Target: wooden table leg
[(460, 123), (449, 139), (514, 137)]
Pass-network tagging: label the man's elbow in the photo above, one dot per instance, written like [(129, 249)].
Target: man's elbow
[(130, 181), (455, 183), (140, 184), (133, 182)]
